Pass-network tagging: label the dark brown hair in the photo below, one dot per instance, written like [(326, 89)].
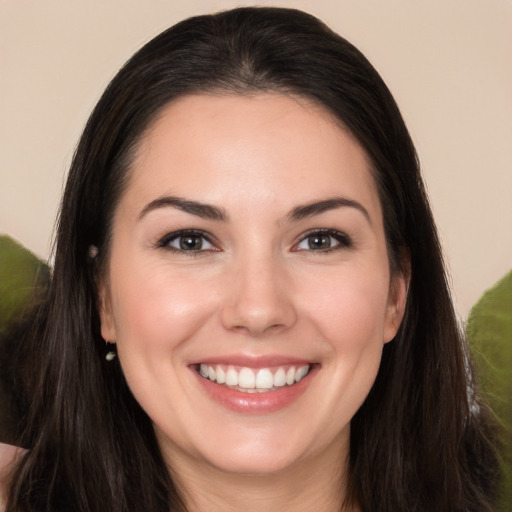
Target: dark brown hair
[(420, 442)]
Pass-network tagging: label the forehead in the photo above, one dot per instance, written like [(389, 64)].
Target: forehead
[(260, 148)]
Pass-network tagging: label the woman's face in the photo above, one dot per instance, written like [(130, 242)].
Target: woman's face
[(248, 288)]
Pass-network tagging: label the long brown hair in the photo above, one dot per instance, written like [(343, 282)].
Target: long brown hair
[(420, 442)]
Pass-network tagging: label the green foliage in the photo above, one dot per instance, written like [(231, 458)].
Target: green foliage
[(21, 273), (489, 333)]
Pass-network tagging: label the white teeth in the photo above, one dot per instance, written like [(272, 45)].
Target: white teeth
[(221, 375), (232, 377), (246, 379), (301, 373), (264, 379), (251, 380), (280, 378)]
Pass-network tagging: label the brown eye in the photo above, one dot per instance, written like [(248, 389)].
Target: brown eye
[(190, 243), (186, 241), (316, 242), (323, 241)]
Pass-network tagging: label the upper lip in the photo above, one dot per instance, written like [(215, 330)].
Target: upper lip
[(253, 361)]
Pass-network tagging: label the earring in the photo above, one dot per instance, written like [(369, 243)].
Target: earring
[(111, 351), (92, 252)]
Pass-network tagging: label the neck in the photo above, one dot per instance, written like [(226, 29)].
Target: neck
[(318, 485)]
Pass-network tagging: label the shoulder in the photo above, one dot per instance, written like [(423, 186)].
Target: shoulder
[(8, 455)]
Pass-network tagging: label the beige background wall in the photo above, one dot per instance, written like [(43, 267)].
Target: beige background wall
[(449, 64)]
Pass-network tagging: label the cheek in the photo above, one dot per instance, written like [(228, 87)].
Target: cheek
[(157, 311), (156, 307), (350, 308)]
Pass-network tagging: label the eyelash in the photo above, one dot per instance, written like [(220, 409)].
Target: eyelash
[(343, 241), (166, 240)]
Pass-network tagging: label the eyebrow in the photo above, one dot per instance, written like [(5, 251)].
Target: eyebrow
[(208, 211), (317, 207), (205, 211)]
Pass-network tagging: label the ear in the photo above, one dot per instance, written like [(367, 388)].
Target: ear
[(108, 330), (397, 300)]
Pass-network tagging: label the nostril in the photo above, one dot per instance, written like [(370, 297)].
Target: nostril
[(256, 314), (255, 331)]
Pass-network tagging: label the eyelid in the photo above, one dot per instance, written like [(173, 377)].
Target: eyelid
[(344, 241), (164, 241)]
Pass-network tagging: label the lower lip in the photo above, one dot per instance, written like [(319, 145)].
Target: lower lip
[(256, 403)]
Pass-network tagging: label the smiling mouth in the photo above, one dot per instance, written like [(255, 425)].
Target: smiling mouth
[(254, 380)]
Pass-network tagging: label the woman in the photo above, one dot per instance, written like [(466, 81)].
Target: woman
[(245, 225)]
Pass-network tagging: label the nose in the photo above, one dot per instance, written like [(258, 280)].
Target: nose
[(259, 299)]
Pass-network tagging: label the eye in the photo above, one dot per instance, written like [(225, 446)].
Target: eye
[(187, 241), (323, 241)]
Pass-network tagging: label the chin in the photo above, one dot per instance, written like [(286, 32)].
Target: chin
[(255, 464)]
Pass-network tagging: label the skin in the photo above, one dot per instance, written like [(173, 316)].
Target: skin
[(9, 456), (257, 287)]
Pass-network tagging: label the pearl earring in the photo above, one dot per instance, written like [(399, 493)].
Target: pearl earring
[(111, 351)]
